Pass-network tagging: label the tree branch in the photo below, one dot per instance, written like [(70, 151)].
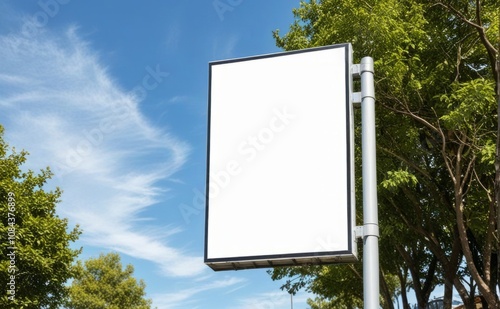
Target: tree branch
[(458, 14)]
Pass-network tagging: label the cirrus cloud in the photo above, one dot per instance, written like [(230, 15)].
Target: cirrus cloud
[(61, 104)]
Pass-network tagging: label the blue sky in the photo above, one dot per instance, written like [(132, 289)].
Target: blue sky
[(113, 97)]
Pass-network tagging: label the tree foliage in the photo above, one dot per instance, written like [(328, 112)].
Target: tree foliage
[(437, 99), (102, 283), (36, 257)]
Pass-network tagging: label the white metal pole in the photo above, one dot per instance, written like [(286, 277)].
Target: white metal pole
[(370, 207)]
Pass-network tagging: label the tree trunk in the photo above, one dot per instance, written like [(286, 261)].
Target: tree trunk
[(483, 286), (494, 59), (452, 269), (496, 73), (388, 304), (471, 304), (415, 276), (448, 294), (402, 282)]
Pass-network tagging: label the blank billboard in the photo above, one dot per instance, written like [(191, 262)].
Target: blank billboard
[(280, 188)]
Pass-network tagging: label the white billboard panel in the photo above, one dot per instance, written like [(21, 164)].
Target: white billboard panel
[(280, 160)]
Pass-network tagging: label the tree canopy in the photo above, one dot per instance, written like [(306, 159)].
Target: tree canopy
[(36, 258), (36, 261), (102, 283), (436, 72)]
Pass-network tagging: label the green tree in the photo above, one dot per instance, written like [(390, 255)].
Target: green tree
[(437, 98), (102, 283), (36, 259)]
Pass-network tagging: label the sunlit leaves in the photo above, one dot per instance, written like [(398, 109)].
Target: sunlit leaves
[(436, 126), (470, 106), (397, 179), (102, 283), (43, 256)]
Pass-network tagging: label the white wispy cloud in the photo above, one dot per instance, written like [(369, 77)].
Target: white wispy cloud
[(189, 297), (173, 36), (264, 300), (60, 103), (178, 99), (275, 300), (223, 48)]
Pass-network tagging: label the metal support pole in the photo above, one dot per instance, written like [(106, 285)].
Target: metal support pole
[(370, 207)]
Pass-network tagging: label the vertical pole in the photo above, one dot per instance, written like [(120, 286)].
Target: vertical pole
[(370, 207)]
